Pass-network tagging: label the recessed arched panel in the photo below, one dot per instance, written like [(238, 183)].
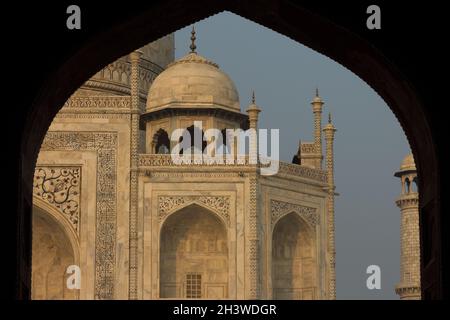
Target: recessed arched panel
[(293, 259), (193, 255), (52, 253)]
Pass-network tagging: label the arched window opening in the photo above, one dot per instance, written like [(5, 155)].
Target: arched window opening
[(407, 185), (161, 142), (415, 185), (195, 132), (225, 146), (52, 254)]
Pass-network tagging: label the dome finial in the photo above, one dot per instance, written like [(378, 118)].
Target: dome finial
[(253, 97), (317, 92), (329, 117), (193, 46)]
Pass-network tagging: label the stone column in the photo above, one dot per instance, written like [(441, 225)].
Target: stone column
[(134, 148), (329, 131), (253, 244)]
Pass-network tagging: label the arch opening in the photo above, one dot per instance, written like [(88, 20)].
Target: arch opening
[(193, 255), (161, 142), (194, 133), (52, 255), (293, 259)]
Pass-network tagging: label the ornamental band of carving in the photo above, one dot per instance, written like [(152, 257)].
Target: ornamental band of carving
[(118, 75), (169, 204), (60, 187), (156, 160), (281, 208), (177, 175), (308, 147), (97, 102), (105, 143)]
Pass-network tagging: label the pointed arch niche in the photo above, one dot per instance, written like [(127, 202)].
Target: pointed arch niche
[(193, 255), (294, 259), (54, 248)]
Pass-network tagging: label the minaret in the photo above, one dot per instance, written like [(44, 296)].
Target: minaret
[(317, 105), (329, 132), (408, 202), (253, 111)]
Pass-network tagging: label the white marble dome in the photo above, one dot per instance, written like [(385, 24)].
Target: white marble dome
[(193, 82)]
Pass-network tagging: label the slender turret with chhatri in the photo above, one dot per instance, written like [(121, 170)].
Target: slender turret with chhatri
[(329, 131), (253, 111), (317, 105)]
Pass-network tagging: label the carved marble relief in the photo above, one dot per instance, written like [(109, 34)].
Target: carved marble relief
[(60, 187), (105, 144), (280, 208), (169, 204)]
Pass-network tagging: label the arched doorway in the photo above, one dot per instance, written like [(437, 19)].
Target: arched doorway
[(293, 259), (52, 254), (193, 255)]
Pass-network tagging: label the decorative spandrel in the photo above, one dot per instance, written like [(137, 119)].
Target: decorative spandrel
[(219, 204), (60, 187), (281, 208)]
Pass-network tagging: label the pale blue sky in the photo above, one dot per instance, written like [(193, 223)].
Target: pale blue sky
[(369, 147)]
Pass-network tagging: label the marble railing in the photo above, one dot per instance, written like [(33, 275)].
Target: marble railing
[(162, 160), (158, 160)]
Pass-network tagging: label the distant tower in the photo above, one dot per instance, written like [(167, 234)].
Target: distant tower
[(408, 202), (329, 131)]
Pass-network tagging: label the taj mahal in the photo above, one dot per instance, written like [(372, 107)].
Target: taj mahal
[(108, 198)]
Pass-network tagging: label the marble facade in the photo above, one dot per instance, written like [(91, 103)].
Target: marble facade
[(141, 227)]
